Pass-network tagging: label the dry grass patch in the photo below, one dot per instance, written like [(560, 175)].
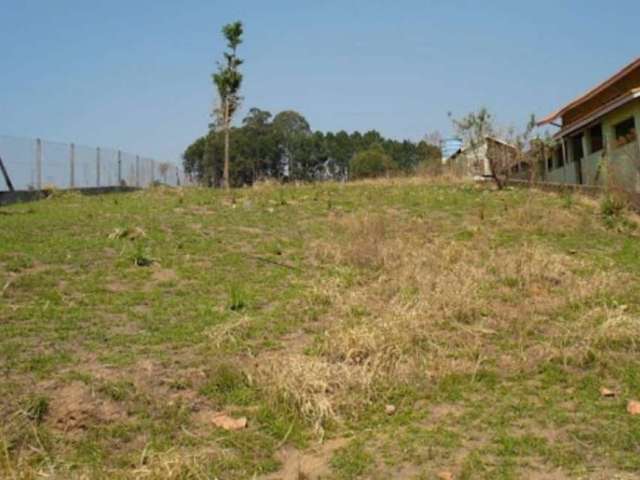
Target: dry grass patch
[(414, 306)]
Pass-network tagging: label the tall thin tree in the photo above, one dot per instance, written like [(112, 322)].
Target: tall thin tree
[(228, 80)]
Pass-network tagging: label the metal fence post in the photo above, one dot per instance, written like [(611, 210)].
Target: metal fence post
[(153, 171), (98, 167), (137, 170), (72, 165), (5, 174), (38, 164), (119, 168)]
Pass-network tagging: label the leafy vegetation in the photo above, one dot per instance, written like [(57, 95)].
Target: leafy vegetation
[(285, 147), (371, 163), (396, 328)]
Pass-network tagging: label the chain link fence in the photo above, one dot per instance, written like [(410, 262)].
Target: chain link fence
[(35, 164)]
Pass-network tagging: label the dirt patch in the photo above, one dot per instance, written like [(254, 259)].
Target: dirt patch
[(163, 275), (313, 464), (93, 366), (530, 427), (75, 407), (444, 412), (171, 386), (117, 286), (296, 342), (547, 475), (405, 471), (110, 253), (120, 324), (199, 210)]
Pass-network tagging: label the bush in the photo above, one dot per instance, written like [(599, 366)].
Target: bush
[(370, 163), (612, 206)]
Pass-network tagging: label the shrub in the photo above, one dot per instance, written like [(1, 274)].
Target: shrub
[(371, 163), (612, 209), (36, 408)]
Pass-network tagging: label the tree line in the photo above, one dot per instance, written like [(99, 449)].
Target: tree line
[(283, 147)]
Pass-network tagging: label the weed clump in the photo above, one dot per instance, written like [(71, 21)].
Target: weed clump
[(237, 299), (228, 384), (36, 408), (612, 206), (619, 331), (141, 256)]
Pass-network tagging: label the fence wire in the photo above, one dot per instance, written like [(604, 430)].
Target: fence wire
[(35, 164)]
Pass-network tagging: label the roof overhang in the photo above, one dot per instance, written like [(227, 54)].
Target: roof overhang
[(599, 113), (591, 93), (497, 140), (487, 138)]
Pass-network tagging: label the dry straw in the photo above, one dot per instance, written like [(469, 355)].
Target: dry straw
[(415, 306)]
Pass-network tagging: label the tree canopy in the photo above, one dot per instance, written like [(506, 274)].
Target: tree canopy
[(284, 147)]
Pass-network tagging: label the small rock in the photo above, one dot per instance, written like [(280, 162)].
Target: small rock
[(605, 392), (226, 422), (390, 409), (633, 407), (445, 475)]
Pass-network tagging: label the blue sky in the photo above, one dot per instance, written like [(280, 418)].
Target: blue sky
[(135, 74)]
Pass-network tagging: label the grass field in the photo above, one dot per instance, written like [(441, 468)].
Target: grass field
[(391, 329)]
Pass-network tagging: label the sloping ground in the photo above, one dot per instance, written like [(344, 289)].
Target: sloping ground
[(393, 329)]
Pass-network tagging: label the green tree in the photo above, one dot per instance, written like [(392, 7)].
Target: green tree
[(293, 133), (338, 151), (261, 146), (193, 158), (370, 163), (429, 157), (285, 146), (290, 122), (228, 80)]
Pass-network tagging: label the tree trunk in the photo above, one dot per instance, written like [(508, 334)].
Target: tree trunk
[(225, 174), (213, 177), (494, 174)]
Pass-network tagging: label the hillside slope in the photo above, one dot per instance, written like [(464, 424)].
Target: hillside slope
[(391, 329)]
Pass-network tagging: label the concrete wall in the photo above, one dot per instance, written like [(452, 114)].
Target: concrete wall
[(21, 196), (624, 162), (471, 162)]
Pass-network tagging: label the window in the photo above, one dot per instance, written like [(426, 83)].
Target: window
[(625, 132), (560, 158), (597, 140), (577, 152), (555, 158)]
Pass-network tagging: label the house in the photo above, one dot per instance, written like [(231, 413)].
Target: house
[(475, 160), (599, 129)]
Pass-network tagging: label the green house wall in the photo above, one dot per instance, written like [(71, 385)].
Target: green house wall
[(624, 161)]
